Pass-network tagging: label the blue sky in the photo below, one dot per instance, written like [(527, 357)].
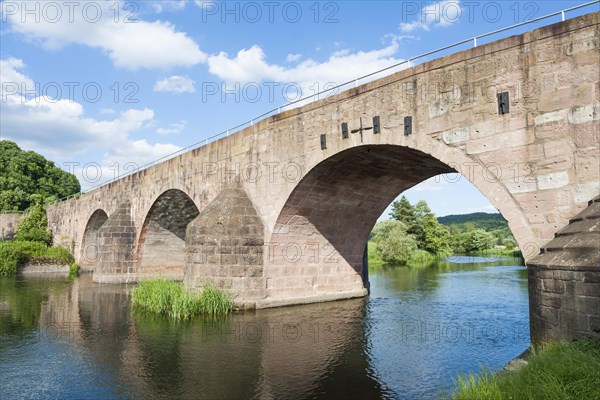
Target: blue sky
[(101, 86)]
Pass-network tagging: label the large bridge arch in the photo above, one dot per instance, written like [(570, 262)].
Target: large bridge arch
[(161, 242), (318, 241)]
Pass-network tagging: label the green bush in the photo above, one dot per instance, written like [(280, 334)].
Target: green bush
[(555, 371), (168, 298), (34, 226), (16, 253)]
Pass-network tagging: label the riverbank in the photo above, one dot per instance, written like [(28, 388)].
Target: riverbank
[(14, 255), (422, 258), (554, 371)]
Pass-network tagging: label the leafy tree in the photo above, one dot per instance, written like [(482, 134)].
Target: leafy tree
[(26, 173), (510, 244), (382, 229), (477, 240), (437, 237), (404, 212), (422, 224), (34, 226), (394, 243)]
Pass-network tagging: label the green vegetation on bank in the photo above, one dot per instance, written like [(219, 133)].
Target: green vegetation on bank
[(32, 244), (74, 270), (415, 237), (483, 229), (24, 174), (555, 371), (412, 236), (34, 226), (168, 298), (14, 254)]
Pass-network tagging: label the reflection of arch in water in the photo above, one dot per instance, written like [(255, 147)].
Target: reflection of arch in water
[(161, 246), (274, 353), (89, 248)]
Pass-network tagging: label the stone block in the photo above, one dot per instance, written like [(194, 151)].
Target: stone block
[(553, 180)]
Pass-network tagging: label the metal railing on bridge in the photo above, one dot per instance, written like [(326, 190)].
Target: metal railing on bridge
[(408, 63)]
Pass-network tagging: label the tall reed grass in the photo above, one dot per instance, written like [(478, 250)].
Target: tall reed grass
[(168, 298)]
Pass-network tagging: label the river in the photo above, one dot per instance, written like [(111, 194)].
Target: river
[(418, 329)]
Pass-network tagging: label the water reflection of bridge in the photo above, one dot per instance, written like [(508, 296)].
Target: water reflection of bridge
[(275, 353)]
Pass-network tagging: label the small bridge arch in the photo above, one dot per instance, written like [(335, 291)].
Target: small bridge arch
[(89, 244), (161, 242)]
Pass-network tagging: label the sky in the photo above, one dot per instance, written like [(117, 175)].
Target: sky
[(103, 87)]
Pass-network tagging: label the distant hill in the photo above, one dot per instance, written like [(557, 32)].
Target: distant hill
[(480, 220)]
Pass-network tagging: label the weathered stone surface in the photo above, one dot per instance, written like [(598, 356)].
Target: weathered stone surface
[(8, 225), (224, 247), (116, 240), (37, 269)]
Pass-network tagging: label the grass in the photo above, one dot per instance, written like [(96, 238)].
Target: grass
[(554, 371), (74, 270), (14, 254), (168, 298)]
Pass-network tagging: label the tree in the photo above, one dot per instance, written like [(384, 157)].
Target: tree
[(403, 211), (429, 234), (34, 225), (394, 243), (477, 240), (510, 244), (437, 237), (26, 173)]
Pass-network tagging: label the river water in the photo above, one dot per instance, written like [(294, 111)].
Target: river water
[(418, 329)]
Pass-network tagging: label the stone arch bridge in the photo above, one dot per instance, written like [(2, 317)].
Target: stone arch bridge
[(280, 212)]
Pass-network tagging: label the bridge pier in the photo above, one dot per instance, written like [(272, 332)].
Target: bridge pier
[(224, 247), (564, 281), (115, 244)]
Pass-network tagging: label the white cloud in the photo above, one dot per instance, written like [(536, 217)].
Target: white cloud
[(60, 130), (175, 84), (168, 5), (173, 129), (439, 14), (12, 80), (293, 57), (250, 65), (131, 45)]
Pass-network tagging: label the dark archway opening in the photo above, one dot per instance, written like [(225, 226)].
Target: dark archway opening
[(89, 251), (161, 247)]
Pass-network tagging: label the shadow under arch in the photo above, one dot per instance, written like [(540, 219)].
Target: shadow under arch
[(89, 244), (161, 244), (326, 220)]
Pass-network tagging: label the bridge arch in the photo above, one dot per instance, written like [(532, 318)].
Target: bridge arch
[(161, 243), (89, 243), (319, 238)]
